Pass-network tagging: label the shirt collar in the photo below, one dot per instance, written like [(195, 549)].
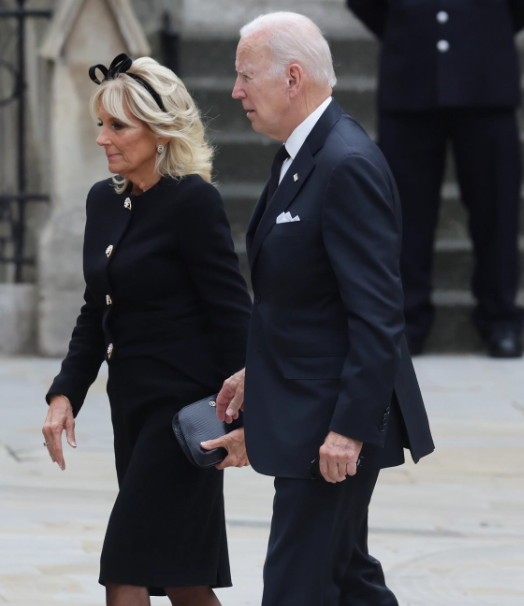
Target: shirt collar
[(301, 132)]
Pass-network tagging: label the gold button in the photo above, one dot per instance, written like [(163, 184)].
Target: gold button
[(127, 204), (109, 301), (109, 250), (109, 350)]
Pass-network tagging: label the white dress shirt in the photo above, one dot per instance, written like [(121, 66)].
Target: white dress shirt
[(300, 134)]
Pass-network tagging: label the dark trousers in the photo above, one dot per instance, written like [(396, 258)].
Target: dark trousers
[(317, 554), (486, 150)]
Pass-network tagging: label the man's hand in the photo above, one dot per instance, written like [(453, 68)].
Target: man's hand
[(231, 397), (338, 457), (59, 418), (235, 444)]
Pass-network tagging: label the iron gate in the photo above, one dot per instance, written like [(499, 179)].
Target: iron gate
[(13, 205)]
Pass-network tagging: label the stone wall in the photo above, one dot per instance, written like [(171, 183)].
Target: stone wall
[(226, 17)]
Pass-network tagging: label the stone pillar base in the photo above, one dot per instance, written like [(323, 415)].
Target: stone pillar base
[(18, 313)]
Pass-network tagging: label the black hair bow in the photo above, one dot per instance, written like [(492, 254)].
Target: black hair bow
[(120, 65)]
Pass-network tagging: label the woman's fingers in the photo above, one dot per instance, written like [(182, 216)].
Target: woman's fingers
[(53, 437), (70, 431), (59, 419)]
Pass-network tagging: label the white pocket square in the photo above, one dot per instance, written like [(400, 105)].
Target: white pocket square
[(287, 218)]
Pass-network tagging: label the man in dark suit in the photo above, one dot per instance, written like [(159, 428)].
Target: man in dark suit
[(328, 374), (449, 72)]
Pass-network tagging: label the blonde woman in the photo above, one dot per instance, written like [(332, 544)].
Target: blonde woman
[(167, 308)]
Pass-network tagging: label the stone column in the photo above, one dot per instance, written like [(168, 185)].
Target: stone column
[(83, 33)]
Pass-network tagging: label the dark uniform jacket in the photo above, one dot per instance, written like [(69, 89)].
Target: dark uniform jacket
[(162, 282), (445, 53), (326, 348)]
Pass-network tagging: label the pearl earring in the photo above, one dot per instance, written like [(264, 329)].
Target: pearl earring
[(160, 149)]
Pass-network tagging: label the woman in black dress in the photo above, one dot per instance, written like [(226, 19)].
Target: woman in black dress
[(167, 308)]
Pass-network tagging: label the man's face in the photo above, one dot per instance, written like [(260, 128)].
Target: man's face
[(264, 96)]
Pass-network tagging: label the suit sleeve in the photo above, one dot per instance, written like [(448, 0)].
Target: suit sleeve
[(517, 12), (209, 256), (85, 355), (362, 234), (372, 13)]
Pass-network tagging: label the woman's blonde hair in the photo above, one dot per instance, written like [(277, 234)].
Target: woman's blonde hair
[(187, 151)]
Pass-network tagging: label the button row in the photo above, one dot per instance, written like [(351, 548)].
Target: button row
[(442, 45), (109, 301)]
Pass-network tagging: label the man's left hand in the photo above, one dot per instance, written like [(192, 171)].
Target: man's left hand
[(338, 457), (235, 444)]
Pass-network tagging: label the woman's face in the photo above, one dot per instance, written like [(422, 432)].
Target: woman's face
[(130, 150)]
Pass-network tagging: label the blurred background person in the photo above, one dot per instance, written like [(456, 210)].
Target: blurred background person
[(449, 73)]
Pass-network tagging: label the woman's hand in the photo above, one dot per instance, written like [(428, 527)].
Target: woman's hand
[(59, 418), (235, 444)]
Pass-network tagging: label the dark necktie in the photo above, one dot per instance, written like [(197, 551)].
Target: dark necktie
[(280, 157)]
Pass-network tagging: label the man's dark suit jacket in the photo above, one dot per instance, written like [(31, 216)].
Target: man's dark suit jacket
[(326, 349), (480, 69), (169, 290)]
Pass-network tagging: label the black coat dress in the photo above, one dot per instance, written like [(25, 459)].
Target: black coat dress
[(167, 308)]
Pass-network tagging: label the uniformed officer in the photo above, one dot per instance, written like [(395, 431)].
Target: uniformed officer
[(449, 72)]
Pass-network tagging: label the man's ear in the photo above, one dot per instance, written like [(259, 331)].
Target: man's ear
[(295, 78)]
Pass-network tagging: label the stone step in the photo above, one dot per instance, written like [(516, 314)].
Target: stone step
[(201, 57), (222, 114), (247, 156), (453, 329), (241, 198), (453, 264)]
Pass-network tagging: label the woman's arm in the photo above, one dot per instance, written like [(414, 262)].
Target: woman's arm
[(84, 358), (207, 249)]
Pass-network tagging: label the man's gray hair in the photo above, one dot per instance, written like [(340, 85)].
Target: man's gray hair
[(293, 38)]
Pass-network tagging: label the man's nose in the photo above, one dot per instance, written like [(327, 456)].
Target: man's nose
[(238, 92)]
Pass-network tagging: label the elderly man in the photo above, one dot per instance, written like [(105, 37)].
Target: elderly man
[(328, 374)]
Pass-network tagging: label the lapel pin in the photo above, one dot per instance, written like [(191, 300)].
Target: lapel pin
[(295, 177)]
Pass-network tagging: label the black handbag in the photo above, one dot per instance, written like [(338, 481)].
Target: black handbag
[(198, 423)]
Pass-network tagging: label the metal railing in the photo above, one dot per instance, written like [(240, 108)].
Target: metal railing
[(13, 205)]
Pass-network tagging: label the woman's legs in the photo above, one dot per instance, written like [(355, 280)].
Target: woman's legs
[(192, 596), (127, 595), (131, 595)]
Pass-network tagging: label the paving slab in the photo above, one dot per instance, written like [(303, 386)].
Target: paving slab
[(449, 531)]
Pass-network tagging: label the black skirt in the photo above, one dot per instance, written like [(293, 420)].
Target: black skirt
[(167, 527)]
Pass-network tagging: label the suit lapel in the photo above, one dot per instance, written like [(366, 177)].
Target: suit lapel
[(264, 217), (254, 222), (302, 166)]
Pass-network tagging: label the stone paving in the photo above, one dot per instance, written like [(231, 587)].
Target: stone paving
[(449, 531)]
